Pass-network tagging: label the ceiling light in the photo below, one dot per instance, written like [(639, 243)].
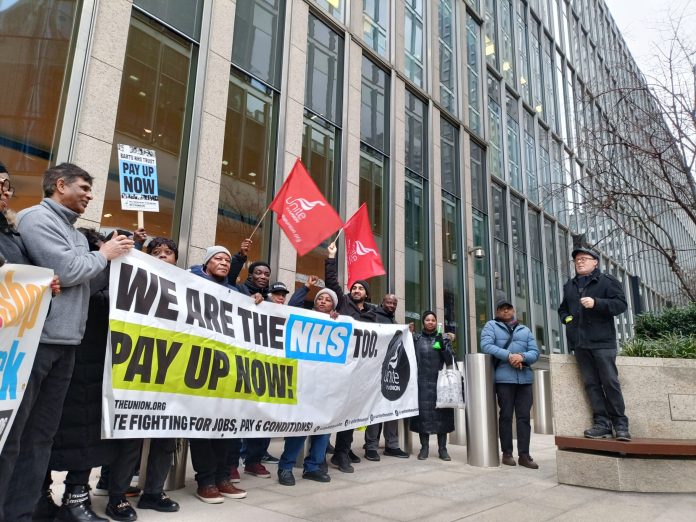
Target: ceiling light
[(141, 93), (134, 77), (148, 131), (107, 215), (225, 162), (252, 174)]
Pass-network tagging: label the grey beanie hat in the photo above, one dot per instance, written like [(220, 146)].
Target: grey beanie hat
[(330, 293), (213, 250)]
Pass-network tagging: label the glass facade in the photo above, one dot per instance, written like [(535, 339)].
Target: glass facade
[(510, 127)]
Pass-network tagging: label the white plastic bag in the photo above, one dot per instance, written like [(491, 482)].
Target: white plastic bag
[(450, 382)]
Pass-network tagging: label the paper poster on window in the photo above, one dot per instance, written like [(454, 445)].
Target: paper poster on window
[(137, 172)]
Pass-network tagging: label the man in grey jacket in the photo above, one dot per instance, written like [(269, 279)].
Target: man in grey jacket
[(53, 242)]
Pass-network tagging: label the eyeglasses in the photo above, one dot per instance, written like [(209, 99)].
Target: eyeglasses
[(6, 186), (583, 259)]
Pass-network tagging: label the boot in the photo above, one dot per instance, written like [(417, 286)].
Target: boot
[(77, 507), (45, 508), (442, 446), (425, 446)]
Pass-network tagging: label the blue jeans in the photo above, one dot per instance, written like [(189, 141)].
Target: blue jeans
[(315, 458)]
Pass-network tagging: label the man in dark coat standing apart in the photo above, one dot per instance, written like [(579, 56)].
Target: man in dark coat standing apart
[(356, 306), (591, 300)]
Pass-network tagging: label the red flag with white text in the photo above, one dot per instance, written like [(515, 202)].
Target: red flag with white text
[(303, 213), (362, 256)]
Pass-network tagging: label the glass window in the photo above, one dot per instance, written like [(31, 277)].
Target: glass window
[(183, 15), (513, 143), (482, 288), (413, 41), (500, 236), (417, 211), (258, 39), (373, 114), (478, 179), (324, 71), (247, 168), (538, 90), (491, 32), (36, 43), (523, 72), (530, 158), (336, 8), (546, 182), (376, 25), (448, 62), (452, 230), (538, 282), (561, 125), (519, 260), (153, 113), (549, 95), (506, 17), (495, 144), (473, 64)]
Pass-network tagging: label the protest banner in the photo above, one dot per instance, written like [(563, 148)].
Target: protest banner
[(137, 172), (24, 299), (191, 358)]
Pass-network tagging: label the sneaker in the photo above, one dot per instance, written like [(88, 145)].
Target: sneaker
[(285, 477), (528, 462), (269, 459), (509, 460), (258, 470), (442, 453), (396, 452), (599, 432), (121, 511), (159, 502), (234, 475), (342, 462), (423, 453), (227, 489), (316, 476), (623, 435), (372, 455), (132, 491), (101, 489), (210, 495), (353, 457)]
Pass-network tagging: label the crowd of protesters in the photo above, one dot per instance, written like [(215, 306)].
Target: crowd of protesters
[(57, 427)]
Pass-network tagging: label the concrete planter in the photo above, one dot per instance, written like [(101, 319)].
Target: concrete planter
[(660, 396)]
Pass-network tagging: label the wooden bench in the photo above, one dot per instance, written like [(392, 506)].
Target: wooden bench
[(635, 448)]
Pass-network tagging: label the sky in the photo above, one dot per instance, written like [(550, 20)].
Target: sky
[(642, 24)]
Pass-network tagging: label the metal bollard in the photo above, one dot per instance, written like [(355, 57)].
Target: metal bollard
[(458, 436), (481, 420), (543, 410), (406, 437), (176, 478)]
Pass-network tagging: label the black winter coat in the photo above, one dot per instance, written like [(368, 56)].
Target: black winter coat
[(384, 317), (346, 306), (592, 328), (431, 419), (11, 246), (78, 444)]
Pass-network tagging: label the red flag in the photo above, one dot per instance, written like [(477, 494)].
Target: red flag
[(303, 213), (363, 258)]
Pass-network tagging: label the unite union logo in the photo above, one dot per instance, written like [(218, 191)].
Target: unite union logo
[(357, 249), (298, 207)]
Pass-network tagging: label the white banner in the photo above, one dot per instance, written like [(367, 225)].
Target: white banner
[(24, 299), (191, 358)]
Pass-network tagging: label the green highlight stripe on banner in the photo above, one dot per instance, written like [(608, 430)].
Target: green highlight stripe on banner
[(146, 358)]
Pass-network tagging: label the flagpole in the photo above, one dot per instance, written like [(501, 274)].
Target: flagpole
[(259, 223), (338, 235)]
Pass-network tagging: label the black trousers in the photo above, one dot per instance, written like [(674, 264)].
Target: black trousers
[(391, 435), (517, 399), (24, 458), (159, 462), (209, 458), (344, 441), (121, 468), (601, 378)]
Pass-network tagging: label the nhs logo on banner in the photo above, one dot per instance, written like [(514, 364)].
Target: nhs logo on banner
[(313, 339)]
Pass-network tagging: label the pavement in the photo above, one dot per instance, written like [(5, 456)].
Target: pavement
[(433, 490)]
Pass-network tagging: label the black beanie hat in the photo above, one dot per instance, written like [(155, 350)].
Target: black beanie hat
[(364, 284)]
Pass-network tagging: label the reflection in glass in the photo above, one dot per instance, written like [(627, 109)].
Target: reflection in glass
[(324, 71), (491, 32), (376, 25), (151, 114), (374, 106), (448, 63), (495, 150), (247, 165), (417, 265), (473, 65), (35, 38), (538, 281), (413, 41), (336, 8), (373, 169)]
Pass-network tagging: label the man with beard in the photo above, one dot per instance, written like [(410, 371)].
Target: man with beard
[(384, 313), (356, 305)]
